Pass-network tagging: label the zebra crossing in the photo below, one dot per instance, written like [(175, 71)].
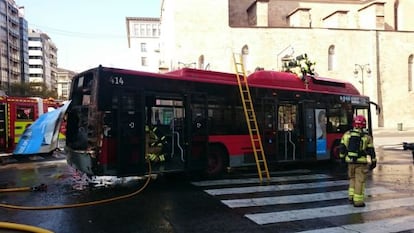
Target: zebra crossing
[(300, 201)]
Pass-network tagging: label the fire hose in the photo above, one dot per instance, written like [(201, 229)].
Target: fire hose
[(22, 227), (43, 187)]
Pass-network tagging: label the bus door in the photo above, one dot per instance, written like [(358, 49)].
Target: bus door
[(166, 119), (3, 127), (322, 151), (288, 147), (199, 131), (309, 131), (269, 129), (128, 110), (315, 132)]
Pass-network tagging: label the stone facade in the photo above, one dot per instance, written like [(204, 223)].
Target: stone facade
[(337, 35), (64, 81)]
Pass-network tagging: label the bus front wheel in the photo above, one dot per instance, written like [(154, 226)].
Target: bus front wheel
[(217, 161)]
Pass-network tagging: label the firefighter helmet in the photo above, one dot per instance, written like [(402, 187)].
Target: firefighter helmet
[(359, 122)]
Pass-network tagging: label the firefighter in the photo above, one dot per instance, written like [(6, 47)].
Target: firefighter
[(154, 145), (356, 145)]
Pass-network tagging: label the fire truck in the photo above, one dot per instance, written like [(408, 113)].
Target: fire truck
[(18, 113)]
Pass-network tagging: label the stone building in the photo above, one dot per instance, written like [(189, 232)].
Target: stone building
[(366, 42), (64, 81)]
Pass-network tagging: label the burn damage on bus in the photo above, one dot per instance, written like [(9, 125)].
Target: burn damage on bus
[(83, 126)]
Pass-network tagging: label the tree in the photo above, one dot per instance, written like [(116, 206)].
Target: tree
[(31, 90)]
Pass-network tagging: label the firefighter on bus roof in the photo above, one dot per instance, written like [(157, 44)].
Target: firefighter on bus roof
[(356, 145)]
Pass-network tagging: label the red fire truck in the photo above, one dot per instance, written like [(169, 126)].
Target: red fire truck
[(16, 114)]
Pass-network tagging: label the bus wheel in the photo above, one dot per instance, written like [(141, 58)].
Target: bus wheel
[(335, 153), (217, 161)]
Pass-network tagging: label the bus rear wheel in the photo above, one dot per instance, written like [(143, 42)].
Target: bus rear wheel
[(217, 161), (335, 152)]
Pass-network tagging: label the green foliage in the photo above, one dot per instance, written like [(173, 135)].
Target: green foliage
[(31, 90)]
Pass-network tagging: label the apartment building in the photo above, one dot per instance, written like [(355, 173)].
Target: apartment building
[(366, 42), (143, 38), (42, 59), (24, 47), (10, 45)]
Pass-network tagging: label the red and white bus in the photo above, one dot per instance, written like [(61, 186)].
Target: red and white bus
[(16, 114), (198, 119)]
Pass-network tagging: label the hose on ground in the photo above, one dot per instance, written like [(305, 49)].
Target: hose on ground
[(22, 227), (17, 207)]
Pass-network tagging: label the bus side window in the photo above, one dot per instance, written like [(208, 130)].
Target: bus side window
[(329, 127)]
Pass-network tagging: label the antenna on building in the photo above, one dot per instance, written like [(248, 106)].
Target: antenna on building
[(292, 51)]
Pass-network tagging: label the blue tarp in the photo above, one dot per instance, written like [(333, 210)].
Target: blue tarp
[(42, 135)]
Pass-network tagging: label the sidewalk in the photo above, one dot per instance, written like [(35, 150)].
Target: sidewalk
[(384, 137)]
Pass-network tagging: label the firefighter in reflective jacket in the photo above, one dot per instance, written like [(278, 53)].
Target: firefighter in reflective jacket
[(154, 144), (355, 147)]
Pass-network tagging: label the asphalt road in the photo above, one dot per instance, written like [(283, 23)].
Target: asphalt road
[(302, 198)]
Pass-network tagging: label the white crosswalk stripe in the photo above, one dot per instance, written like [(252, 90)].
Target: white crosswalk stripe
[(245, 193), (257, 181), (381, 226), (301, 198), (292, 215), (270, 188)]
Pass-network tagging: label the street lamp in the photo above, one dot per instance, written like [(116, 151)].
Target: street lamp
[(187, 65), (363, 69)]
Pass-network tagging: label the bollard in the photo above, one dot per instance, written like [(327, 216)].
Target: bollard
[(400, 126)]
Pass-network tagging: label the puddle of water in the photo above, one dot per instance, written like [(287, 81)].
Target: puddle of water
[(81, 181)]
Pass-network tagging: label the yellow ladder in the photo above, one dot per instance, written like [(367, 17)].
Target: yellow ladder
[(250, 115)]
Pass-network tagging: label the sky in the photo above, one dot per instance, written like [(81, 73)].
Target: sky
[(88, 33)]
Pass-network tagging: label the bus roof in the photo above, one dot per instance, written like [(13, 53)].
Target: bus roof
[(263, 78), (272, 79)]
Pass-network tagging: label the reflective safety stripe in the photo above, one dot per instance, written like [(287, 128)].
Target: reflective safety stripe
[(358, 198), (162, 157), (155, 158), (351, 192), (362, 159)]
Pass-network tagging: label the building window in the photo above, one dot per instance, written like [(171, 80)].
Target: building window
[(154, 30), (331, 57), (144, 47), (144, 61), (245, 57), (142, 30), (410, 72), (148, 30), (136, 29)]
